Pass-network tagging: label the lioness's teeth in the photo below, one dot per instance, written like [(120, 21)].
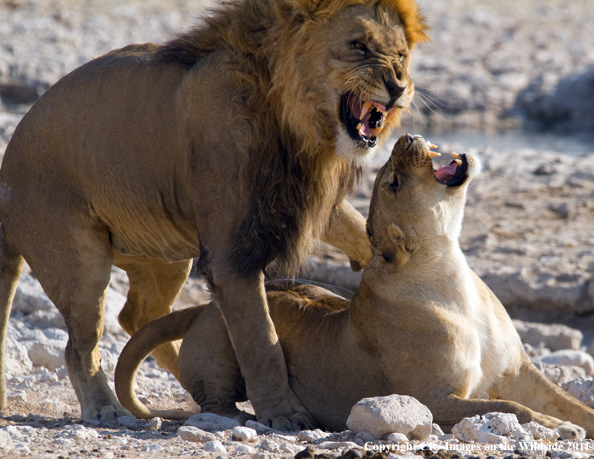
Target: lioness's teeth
[(365, 109), (434, 154), (456, 155), (359, 127), (459, 161), (430, 145)]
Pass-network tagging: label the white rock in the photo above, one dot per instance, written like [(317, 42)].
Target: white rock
[(540, 432), (5, 440), (382, 416), (311, 435), (397, 438), (215, 446), (337, 445), (554, 337), (269, 445), (114, 304), (195, 434), (290, 448), (436, 430), (242, 433), (30, 297), (79, 432), (211, 422), (154, 423), (49, 354), (571, 357), (244, 449), (491, 428), (258, 427), (17, 358), (569, 455), (263, 456), (17, 396), (582, 389)]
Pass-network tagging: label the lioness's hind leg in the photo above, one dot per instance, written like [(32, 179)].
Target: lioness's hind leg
[(530, 388), (154, 287), (448, 411)]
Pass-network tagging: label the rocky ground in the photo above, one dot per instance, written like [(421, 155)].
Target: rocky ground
[(528, 232)]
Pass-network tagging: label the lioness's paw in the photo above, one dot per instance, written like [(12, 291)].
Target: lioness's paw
[(569, 431)]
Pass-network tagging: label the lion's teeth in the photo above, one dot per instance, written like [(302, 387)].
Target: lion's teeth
[(434, 154), (359, 127), (459, 161), (375, 132), (456, 155), (365, 109), (431, 145)]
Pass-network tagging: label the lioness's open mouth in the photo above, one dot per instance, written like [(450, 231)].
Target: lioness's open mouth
[(455, 173), (363, 120)]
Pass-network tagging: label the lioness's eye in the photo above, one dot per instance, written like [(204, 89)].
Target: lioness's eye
[(395, 185)]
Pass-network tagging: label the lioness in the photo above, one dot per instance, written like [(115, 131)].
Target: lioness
[(421, 323), (235, 143)]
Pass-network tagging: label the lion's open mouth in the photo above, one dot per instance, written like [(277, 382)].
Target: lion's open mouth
[(363, 120), (455, 173)]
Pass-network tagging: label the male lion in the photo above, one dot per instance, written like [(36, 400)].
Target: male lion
[(235, 143), (421, 323)]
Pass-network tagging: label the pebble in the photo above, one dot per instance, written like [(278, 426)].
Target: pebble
[(215, 446), (241, 433), (211, 422), (194, 434), (311, 435)]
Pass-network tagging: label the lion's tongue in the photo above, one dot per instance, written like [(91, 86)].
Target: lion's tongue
[(364, 128), (445, 173)]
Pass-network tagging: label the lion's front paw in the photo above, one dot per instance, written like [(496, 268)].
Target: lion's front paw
[(105, 413), (293, 423), (569, 431)]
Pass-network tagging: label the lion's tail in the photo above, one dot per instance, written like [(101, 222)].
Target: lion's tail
[(168, 328), (11, 265)]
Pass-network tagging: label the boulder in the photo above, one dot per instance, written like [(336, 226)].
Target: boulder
[(582, 389), (570, 358), (382, 416), (554, 336)]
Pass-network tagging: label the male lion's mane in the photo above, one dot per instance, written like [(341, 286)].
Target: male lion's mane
[(294, 173)]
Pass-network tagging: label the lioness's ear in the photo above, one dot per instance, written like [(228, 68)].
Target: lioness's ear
[(394, 244)]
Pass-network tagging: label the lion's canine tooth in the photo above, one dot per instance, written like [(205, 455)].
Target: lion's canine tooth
[(459, 161), (365, 109), (375, 132), (359, 127), (456, 155), (434, 154), (431, 145)]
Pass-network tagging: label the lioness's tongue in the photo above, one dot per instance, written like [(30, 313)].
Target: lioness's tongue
[(445, 173)]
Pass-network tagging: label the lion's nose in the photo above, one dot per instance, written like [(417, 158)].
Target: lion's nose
[(395, 88)]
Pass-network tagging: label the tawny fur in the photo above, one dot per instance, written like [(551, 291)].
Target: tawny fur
[(225, 144), (421, 324)]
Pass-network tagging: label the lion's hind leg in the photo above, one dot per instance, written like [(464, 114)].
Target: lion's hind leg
[(154, 287), (530, 388), (11, 265)]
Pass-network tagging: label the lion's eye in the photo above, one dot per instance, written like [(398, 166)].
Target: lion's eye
[(402, 56), (361, 47), (395, 185)]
